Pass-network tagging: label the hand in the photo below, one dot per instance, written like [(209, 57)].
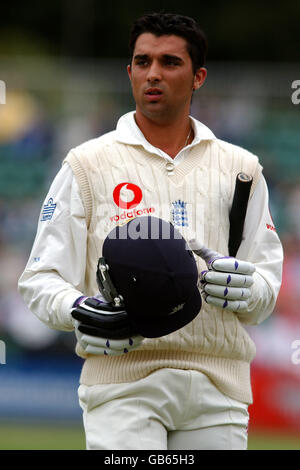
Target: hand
[(102, 328), (227, 281), (104, 346)]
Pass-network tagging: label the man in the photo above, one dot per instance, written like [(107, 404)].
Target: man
[(189, 389)]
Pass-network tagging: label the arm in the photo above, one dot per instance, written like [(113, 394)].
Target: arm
[(53, 277), (262, 247), (53, 280), (248, 284)]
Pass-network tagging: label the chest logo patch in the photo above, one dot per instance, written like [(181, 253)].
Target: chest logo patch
[(127, 195), (179, 214)]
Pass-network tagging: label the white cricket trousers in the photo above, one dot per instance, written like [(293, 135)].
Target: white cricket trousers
[(169, 409)]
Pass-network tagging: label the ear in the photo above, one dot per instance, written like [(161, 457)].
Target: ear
[(129, 71), (199, 78)]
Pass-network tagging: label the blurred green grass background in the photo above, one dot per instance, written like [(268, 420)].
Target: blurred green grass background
[(71, 437)]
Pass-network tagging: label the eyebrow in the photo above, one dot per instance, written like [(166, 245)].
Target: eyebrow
[(140, 56), (165, 57)]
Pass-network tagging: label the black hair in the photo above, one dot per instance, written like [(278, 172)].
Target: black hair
[(161, 24)]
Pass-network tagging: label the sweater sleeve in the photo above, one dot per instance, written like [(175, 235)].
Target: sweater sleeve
[(261, 246), (54, 274)]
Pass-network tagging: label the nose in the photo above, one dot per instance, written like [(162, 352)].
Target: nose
[(154, 73)]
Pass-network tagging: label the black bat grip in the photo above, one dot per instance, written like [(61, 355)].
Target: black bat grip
[(238, 212)]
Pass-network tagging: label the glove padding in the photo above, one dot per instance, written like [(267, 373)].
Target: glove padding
[(98, 318), (104, 346), (102, 328), (227, 281)]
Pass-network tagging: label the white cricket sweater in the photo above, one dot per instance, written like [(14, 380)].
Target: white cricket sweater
[(215, 342)]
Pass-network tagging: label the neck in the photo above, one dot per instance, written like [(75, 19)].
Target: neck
[(169, 137)]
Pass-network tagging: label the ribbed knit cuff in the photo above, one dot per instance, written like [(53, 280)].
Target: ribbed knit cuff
[(65, 306)]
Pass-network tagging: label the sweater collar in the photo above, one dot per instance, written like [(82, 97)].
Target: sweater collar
[(128, 132)]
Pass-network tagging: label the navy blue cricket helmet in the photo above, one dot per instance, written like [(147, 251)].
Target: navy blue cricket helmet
[(147, 267)]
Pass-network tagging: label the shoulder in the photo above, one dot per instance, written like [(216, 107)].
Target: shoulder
[(235, 149), (96, 144), (93, 148), (235, 159)]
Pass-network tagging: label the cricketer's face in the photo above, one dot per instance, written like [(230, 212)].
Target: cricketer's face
[(162, 77)]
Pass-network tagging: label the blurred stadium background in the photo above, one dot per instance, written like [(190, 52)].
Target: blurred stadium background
[(64, 66)]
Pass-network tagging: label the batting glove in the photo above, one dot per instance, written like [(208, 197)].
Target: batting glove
[(227, 282), (102, 328)]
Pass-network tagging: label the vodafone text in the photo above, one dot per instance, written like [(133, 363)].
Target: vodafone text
[(271, 227), (132, 214)]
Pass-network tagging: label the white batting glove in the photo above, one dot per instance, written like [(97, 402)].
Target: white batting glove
[(227, 282), (104, 346)]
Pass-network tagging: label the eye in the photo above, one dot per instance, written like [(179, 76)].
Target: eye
[(141, 62), (171, 62)]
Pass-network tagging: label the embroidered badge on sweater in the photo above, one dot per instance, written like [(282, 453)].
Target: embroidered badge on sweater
[(179, 214)]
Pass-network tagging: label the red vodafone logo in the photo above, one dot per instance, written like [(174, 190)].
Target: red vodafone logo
[(137, 195)]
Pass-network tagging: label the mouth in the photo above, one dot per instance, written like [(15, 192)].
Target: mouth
[(153, 94)]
